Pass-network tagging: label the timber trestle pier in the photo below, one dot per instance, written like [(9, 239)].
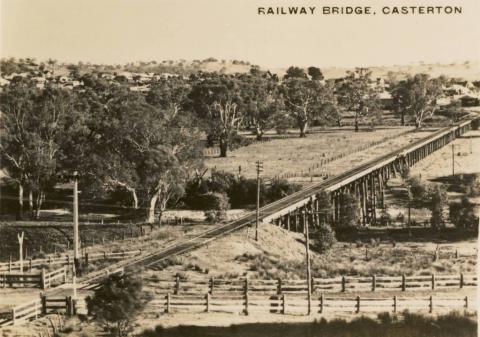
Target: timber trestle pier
[(366, 182)]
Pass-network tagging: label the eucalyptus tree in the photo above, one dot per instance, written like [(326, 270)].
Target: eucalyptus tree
[(217, 101), (417, 96), (306, 100), (357, 94)]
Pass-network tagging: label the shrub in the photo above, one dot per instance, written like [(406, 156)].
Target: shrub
[(216, 205), (462, 214), (324, 237), (279, 189), (348, 210), (116, 303), (238, 141), (418, 189), (437, 199)]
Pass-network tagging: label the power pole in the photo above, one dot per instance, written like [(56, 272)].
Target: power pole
[(257, 217), (75, 220), (453, 160), (20, 246), (307, 249), (409, 208)]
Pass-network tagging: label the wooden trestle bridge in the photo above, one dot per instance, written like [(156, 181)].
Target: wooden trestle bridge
[(366, 182)]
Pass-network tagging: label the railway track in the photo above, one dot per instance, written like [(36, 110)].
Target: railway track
[(269, 211)]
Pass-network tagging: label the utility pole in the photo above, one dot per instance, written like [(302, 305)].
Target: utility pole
[(453, 160), (257, 217), (307, 249), (20, 246), (409, 208), (75, 220)]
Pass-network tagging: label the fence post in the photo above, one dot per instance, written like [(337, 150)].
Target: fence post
[(343, 284), (284, 304), (374, 282), (279, 286), (13, 316), (212, 283), (461, 280), (466, 302), (43, 299), (433, 281), (30, 264), (42, 279), (177, 284), (358, 304), (104, 255), (431, 304), (168, 303), (246, 296), (68, 260), (64, 274), (321, 303), (207, 297), (404, 282), (86, 259), (394, 304)]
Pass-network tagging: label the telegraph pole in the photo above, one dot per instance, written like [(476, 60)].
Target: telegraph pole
[(453, 160), (20, 246), (409, 208), (307, 249), (75, 220), (257, 217)]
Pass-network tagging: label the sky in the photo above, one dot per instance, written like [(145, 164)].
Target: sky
[(120, 31)]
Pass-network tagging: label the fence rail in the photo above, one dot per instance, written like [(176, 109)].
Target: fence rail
[(319, 285), (39, 307), (66, 260), (285, 304), (41, 280)]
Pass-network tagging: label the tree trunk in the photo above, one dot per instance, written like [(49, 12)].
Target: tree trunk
[(38, 205), (134, 197), (210, 141), (303, 128), (403, 118), (20, 202), (223, 148), (30, 202), (259, 133), (151, 209), (356, 125)]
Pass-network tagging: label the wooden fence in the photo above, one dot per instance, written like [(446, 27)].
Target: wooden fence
[(41, 280), (66, 260), (39, 307), (310, 171), (286, 304), (319, 285)]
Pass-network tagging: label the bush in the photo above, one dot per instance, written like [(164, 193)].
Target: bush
[(348, 210), (324, 237), (216, 205), (418, 189), (462, 214), (279, 189), (116, 303), (437, 198), (238, 141)]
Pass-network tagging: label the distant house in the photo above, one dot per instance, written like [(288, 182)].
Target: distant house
[(467, 101), (386, 100)]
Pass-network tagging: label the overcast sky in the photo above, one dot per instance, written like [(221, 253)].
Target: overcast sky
[(119, 31)]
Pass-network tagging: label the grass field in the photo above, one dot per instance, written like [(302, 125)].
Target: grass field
[(280, 253), (297, 154)]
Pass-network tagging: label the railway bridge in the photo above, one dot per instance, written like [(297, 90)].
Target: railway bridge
[(366, 183)]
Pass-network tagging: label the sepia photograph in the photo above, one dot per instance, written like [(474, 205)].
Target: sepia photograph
[(239, 168)]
